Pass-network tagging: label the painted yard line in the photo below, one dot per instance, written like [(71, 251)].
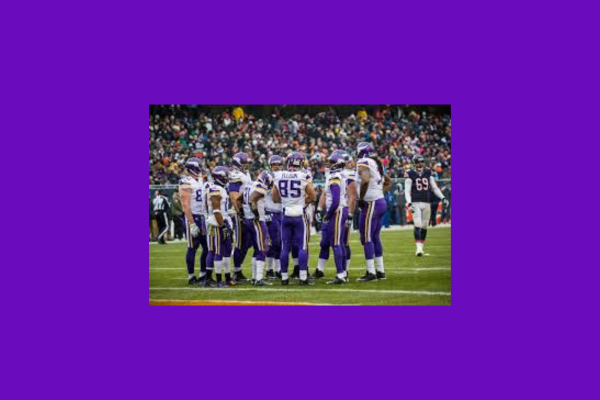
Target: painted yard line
[(183, 268), (164, 302), (265, 290), (407, 250)]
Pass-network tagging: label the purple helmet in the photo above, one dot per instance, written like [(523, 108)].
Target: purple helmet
[(194, 165), (241, 161), (365, 149), (220, 175), (275, 160), (266, 179), (337, 160), (294, 159)]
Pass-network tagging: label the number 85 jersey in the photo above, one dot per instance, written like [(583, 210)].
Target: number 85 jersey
[(292, 189)]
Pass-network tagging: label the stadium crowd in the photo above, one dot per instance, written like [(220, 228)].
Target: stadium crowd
[(397, 132)]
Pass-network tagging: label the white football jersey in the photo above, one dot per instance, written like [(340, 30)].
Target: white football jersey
[(292, 189), (270, 205), (236, 176), (197, 197), (350, 176), (375, 188), (251, 188), (216, 190), (335, 178)]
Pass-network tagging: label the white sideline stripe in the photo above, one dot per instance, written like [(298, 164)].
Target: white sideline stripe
[(415, 292), (291, 303)]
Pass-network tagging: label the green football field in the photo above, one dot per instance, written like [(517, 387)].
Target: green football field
[(410, 280)]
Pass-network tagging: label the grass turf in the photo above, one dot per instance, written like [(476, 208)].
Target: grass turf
[(410, 280)]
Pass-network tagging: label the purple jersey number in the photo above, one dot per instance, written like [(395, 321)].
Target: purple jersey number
[(289, 188)]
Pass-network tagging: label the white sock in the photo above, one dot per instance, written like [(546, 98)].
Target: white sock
[(202, 274), (190, 276), (341, 276), (321, 264), (379, 262), (269, 263), (419, 246), (284, 276), (253, 267), (227, 264), (218, 265), (260, 266), (347, 264), (277, 265), (371, 266), (237, 269), (295, 261), (303, 275)]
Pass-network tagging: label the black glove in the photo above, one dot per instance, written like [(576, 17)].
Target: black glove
[(319, 216), (226, 232), (445, 202), (362, 204)]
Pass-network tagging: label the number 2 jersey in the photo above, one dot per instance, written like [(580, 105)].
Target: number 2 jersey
[(198, 198), (420, 188), (291, 186), (375, 188)]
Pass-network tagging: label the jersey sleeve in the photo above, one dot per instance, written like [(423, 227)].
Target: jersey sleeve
[(213, 191), (260, 188)]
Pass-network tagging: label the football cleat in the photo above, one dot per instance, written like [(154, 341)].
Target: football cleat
[(380, 275), (317, 275), (194, 281), (296, 273), (367, 277), (209, 283), (252, 282), (270, 275), (419, 253), (285, 282), (337, 281), (306, 282), (221, 284), (261, 283), (277, 275), (238, 276)]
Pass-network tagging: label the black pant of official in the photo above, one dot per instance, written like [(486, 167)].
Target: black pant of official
[(163, 225)]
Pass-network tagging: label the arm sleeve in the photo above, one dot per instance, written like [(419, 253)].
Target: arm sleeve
[(407, 190), (434, 187), (335, 200)]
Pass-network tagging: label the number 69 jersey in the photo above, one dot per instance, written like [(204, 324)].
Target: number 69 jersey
[(197, 198), (420, 188), (292, 189)]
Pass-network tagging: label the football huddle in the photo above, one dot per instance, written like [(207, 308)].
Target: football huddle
[(227, 213)]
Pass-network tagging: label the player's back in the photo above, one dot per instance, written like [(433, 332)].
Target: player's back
[(291, 186), (213, 191), (197, 196), (248, 190), (375, 187)]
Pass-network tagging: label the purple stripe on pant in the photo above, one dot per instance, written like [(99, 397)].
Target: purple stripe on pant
[(369, 225)]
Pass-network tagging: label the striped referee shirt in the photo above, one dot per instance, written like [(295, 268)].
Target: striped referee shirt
[(160, 204)]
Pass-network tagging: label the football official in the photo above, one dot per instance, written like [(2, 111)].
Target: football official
[(161, 205)]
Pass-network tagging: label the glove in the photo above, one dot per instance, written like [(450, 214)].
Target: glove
[(325, 218), (267, 217), (445, 202), (194, 230), (349, 223), (319, 217), (362, 204), (226, 232), (256, 214)]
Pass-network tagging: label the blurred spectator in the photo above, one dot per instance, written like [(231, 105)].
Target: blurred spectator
[(397, 133)]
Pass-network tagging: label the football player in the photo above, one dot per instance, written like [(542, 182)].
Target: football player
[(351, 197), (419, 183), (219, 228), (310, 213), (239, 177), (273, 219), (255, 226), (332, 206), (295, 192), (192, 199), (373, 182)]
